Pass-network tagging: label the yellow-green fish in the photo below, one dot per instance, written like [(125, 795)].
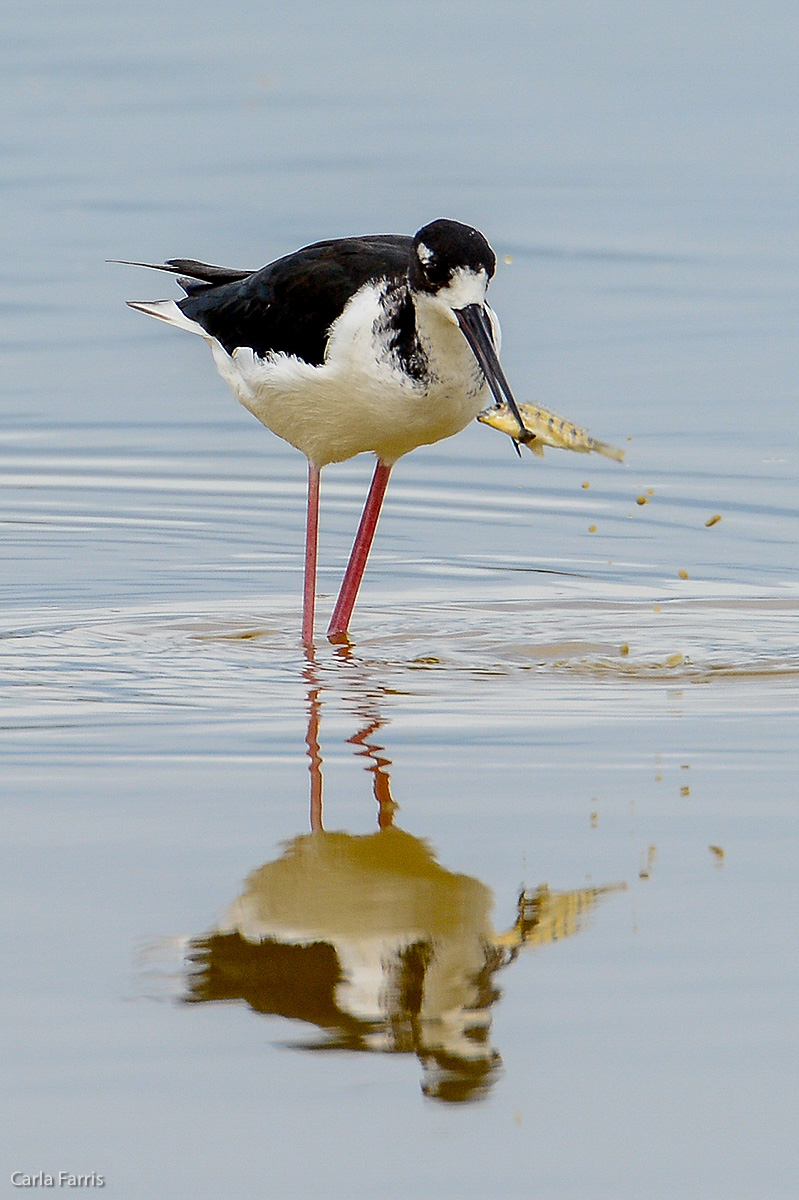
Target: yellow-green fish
[(543, 428)]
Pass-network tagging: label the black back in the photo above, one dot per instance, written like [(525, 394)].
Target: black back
[(289, 306)]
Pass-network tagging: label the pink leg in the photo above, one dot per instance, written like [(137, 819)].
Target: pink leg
[(311, 542), (340, 621)]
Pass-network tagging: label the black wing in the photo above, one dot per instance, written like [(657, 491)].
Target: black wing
[(288, 306), (192, 275)]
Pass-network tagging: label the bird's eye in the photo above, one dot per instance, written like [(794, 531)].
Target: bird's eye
[(436, 268), (425, 255)]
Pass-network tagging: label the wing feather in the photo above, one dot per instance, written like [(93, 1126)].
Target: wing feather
[(288, 306)]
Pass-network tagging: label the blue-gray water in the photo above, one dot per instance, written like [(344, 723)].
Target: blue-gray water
[(556, 685)]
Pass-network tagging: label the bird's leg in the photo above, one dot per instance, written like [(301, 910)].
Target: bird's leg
[(311, 542), (339, 622)]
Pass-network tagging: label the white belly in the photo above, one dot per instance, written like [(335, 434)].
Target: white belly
[(358, 399)]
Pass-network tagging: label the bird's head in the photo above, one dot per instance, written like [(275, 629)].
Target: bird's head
[(451, 266), (451, 262)]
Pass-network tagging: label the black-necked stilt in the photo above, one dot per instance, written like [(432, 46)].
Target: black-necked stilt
[(377, 344)]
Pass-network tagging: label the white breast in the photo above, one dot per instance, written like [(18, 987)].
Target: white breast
[(359, 399)]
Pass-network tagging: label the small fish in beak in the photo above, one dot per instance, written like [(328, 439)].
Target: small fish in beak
[(476, 328), (544, 428), (526, 424)]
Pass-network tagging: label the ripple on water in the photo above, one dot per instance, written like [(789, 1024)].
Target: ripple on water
[(457, 662)]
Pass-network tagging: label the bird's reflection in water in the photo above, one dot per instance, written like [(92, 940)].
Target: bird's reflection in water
[(372, 941)]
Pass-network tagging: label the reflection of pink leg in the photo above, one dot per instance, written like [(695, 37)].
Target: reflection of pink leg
[(340, 621), (386, 806), (311, 541), (314, 756)]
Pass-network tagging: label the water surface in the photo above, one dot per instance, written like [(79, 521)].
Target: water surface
[(500, 899)]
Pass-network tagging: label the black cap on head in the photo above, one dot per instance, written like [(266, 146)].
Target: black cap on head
[(443, 246)]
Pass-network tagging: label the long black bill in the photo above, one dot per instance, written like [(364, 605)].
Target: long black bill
[(476, 328)]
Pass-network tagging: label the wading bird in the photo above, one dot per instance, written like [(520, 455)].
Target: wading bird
[(378, 344)]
